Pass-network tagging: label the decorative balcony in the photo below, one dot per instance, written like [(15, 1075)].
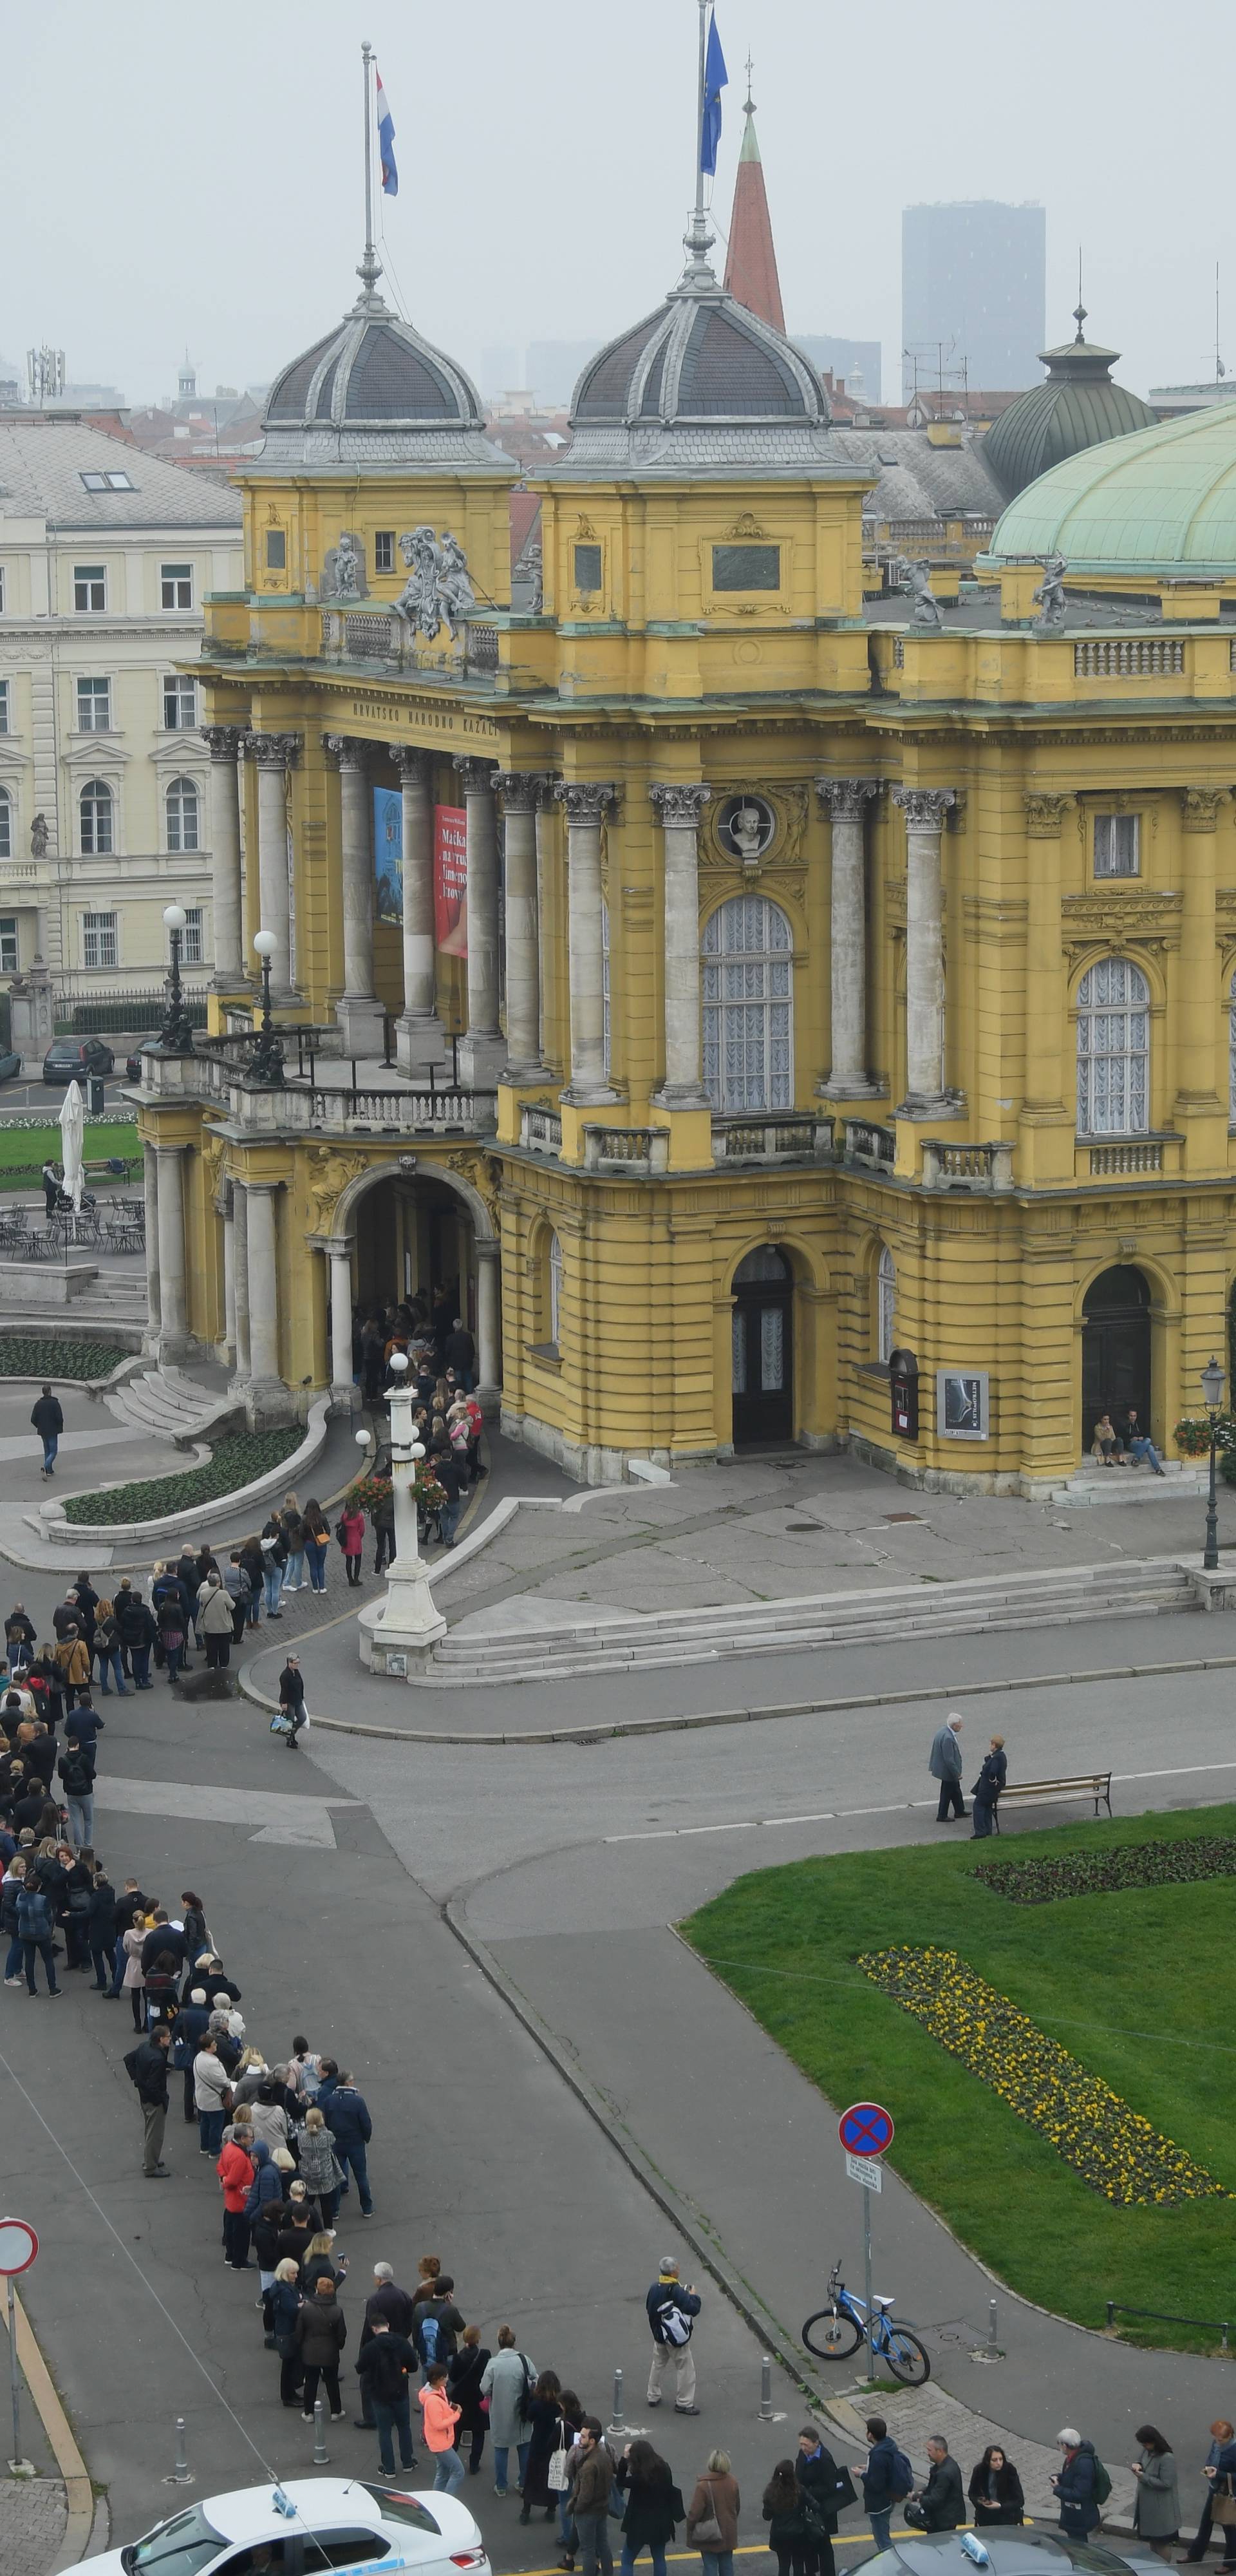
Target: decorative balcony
[(641, 1150), (790, 1137), (1118, 1162), (986, 1169), (540, 1131), (874, 1147), (220, 1074), (377, 635)]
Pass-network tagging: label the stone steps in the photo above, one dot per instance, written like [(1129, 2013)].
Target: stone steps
[(595, 1642), (169, 1404)]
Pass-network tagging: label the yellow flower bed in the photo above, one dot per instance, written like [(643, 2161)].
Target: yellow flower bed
[(1112, 2148)]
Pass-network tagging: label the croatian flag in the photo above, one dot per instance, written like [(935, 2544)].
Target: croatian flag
[(386, 142), (716, 78)]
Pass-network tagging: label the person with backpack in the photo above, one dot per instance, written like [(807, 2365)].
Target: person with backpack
[(36, 1925), (1082, 2486), (672, 2311), (507, 2381), (437, 2323), (887, 2479)]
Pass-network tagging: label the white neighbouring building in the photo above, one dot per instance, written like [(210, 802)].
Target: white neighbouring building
[(106, 555)]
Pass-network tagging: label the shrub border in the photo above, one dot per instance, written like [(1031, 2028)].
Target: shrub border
[(118, 1533)]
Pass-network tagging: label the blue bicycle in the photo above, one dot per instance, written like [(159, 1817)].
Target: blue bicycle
[(836, 2331)]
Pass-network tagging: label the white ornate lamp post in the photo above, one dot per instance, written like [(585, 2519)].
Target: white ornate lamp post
[(406, 1624), (266, 1061)]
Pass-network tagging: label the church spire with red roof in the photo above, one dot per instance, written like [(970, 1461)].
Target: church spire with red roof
[(751, 266)]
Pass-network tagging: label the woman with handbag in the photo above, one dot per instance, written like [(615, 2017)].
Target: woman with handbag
[(712, 2515), (545, 2431), (317, 1541), (463, 2387), (654, 2506)]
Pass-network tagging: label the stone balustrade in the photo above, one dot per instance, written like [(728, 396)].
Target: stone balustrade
[(984, 1168), (540, 1131), (873, 1146), (772, 1139), (626, 1149)]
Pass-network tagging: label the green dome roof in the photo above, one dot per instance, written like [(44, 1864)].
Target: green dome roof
[(1161, 503), (1077, 408)]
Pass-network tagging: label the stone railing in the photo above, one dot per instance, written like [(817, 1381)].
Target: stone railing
[(1110, 1162), (626, 1149), (540, 1131), (1128, 657), (875, 1147), (967, 1167), (771, 1139), (377, 635), (422, 1113)]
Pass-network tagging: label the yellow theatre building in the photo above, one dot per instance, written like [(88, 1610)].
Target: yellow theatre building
[(774, 982)]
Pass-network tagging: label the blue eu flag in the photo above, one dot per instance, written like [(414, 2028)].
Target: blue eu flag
[(716, 79)]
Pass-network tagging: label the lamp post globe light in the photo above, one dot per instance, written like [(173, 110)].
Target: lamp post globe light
[(1212, 1396), (266, 1061), (397, 1634), (176, 1033)]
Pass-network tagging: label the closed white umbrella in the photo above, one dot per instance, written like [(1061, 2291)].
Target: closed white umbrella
[(72, 1140)]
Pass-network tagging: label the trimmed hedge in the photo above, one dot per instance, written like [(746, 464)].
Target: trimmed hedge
[(236, 1462), (1047, 1877), (53, 1357)]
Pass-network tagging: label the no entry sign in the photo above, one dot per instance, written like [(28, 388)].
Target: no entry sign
[(866, 2129), (18, 2246)]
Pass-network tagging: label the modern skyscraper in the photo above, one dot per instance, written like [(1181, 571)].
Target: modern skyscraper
[(973, 294)]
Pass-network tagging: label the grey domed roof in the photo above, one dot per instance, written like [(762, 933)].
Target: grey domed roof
[(374, 389)]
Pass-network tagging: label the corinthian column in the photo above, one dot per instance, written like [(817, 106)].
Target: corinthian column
[(358, 1012), (519, 790), (924, 809), (481, 1051), (585, 801), (680, 809), (224, 743), (275, 754), (845, 801), (418, 1030)]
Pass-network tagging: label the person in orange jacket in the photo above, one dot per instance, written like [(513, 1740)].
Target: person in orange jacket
[(440, 2419), (235, 2173)]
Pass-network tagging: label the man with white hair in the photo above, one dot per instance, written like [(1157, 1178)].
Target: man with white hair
[(944, 1764), (386, 2300)]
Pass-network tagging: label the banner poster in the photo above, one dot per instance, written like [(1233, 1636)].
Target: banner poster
[(388, 852), (450, 879)]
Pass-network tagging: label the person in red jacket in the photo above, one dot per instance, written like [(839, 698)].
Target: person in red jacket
[(235, 2173), (351, 1536)]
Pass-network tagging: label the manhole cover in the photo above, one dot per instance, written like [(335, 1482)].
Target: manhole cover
[(903, 1516)]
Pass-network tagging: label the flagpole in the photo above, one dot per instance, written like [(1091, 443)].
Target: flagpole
[(699, 118), (369, 269)]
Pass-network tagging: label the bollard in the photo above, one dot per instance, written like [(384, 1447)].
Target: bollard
[(1111, 2314), (182, 2474), (991, 2326), (616, 2422), (320, 2453), (766, 2404)]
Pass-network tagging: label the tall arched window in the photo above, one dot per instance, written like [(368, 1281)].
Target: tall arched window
[(183, 813), (886, 1304), (748, 951), (1113, 1050), (96, 814), (6, 824), (554, 1270)]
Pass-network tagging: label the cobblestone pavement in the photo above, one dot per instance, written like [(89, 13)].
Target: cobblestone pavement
[(33, 2515)]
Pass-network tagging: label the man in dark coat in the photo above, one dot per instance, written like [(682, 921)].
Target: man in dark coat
[(146, 2066), (387, 2300), (940, 2505), (987, 1788), (818, 2475), (347, 2117), (48, 1421), (384, 2365), (460, 1354), (944, 1764)]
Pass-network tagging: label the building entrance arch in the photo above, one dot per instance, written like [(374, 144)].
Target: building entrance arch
[(413, 1232), (763, 1349), (1116, 1370)]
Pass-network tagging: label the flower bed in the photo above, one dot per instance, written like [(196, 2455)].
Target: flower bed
[(1048, 1877), (1110, 2146), (236, 1462), (54, 1356)]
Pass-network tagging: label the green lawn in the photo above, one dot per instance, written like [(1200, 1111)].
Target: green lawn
[(24, 1150), (1133, 1984)]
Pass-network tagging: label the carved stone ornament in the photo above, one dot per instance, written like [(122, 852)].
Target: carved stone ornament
[(343, 573), (438, 591), (223, 741), (475, 774), (584, 526), (411, 763), (1201, 807), (745, 527), (347, 750), (679, 807), (329, 1175), (1045, 815), (520, 789), (585, 799), (845, 800), (38, 837), (924, 807), (274, 750)]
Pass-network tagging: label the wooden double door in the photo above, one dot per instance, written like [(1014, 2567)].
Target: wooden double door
[(763, 1350)]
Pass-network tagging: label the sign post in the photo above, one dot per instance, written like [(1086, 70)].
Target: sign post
[(18, 2247), (866, 2131)]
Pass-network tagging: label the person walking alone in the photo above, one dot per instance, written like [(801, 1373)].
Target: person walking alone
[(292, 1707), (672, 2312), (146, 2067), (48, 1420), (944, 1764)]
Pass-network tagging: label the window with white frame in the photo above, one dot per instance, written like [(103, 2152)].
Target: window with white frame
[(8, 945), (748, 949), (384, 550), (179, 702), (94, 706), (6, 824), (554, 1272), (4, 706), (183, 815), (1117, 845), (1113, 1050), (176, 582), (886, 1304), (89, 586), (100, 939), (192, 937), (97, 809)]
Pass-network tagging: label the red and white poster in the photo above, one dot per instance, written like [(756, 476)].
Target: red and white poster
[(450, 879)]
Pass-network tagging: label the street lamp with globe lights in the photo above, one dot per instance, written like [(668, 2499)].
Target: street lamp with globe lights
[(176, 1033), (266, 1061), (1212, 1396)]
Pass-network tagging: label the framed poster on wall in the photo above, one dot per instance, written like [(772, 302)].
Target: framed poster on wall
[(962, 1400), (450, 879)]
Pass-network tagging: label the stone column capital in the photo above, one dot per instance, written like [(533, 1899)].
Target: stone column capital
[(168, 1153), (486, 1248), (585, 799), (475, 773), (845, 799), (347, 750), (411, 762), (223, 741), (274, 750), (519, 789), (680, 805), (924, 807)]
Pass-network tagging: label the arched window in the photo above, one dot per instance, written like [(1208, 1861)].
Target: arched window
[(96, 813), (554, 1272), (748, 949), (6, 824), (183, 810), (886, 1304), (1113, 1050)]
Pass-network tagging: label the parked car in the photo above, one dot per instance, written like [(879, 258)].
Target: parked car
[(352, 2524), (1010, 2553), (71, 1059), (133, 1063), (10, 1067)]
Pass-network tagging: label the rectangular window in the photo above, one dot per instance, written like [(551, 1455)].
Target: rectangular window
[(179, 702), (94, 706), (746, 567), (89, 586), (4, 706), (110, 482), (1116, 851), (100, 946), (8, 946), (177, 585), (276, 550), (587, 568), (384, 550), (191, 936), (2, 601)]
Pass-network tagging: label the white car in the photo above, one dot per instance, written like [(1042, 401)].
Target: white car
[(304, 2528)]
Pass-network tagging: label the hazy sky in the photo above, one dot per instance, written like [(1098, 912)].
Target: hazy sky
[(194, 174)]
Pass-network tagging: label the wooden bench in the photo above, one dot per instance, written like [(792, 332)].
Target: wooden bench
[(1091, 1784)]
